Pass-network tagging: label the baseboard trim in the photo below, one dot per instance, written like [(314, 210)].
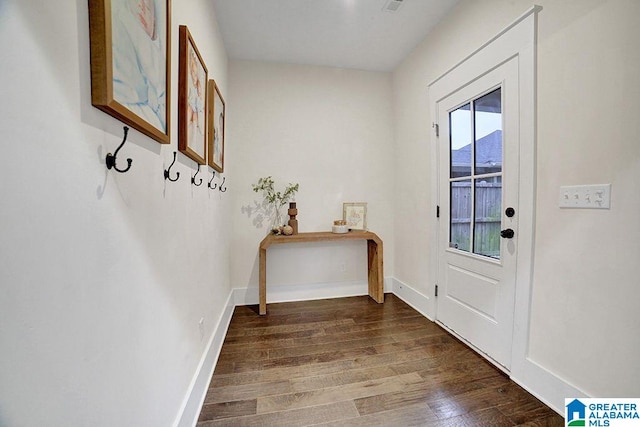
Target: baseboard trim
[(290, 293), (192, 404), (419, 301), (546, 386)]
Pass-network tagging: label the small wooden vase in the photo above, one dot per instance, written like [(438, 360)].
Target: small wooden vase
[(293, 222)]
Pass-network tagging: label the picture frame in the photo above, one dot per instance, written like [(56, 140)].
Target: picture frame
[(192, 99), (355, 214), (130, 42), (217, 117)]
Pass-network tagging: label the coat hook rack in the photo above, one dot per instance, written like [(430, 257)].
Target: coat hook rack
[(193, 178), (213, 187), (110, 160), (225, 188), (166, 171)]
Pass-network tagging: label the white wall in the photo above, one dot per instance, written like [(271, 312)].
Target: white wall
[(330, 130), (103, 277), (584, 320), (586, 277)]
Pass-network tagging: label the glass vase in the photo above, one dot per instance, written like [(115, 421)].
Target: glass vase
[(277, 219)]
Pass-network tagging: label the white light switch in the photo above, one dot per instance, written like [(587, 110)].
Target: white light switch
[(585, 196)]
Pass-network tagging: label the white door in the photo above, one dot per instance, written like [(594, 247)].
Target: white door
[(478, 192)]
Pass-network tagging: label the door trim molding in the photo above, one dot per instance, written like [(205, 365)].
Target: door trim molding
[(533, 10), (517, 40)]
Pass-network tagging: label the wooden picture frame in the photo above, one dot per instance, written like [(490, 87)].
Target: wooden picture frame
[(131, 63), (192, 99), (355, 214), (217, 116)]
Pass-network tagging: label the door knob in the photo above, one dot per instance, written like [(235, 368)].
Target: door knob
[(507, 234)]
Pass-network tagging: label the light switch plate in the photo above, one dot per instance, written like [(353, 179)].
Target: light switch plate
[(596, 196)]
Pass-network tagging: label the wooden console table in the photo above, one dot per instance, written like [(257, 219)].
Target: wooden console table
[(374, 252)]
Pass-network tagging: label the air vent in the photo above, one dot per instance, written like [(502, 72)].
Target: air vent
[(393, 5)]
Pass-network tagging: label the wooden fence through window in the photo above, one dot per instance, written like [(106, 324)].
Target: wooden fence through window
[(487, 220)]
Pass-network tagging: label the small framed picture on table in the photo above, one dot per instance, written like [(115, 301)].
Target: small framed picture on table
[(356, 215)]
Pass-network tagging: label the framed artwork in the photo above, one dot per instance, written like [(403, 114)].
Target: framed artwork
[(216, 127), (356, 215), (131, 63), (192, 99)]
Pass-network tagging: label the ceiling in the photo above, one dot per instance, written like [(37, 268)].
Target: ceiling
[(356, 34)]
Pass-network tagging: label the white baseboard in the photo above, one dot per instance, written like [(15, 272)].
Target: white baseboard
[(289, 293), (546, 386), (192, 403), (415, 299)]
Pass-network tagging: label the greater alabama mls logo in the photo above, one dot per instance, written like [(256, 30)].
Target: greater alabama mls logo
[(602, 412), (575, 413)]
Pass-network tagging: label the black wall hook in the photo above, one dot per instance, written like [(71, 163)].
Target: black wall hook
[(225, 188), (110, 160), (166, 171), (193, 178), (213, 187)]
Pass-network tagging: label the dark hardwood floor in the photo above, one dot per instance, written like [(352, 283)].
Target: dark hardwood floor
[(353, 362)]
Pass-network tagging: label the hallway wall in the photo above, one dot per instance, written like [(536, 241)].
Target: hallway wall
[(331, 131), (103, 276)]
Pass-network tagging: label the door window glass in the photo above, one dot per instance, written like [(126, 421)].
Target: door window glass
[(460, 227), (488, 201), (488, 133), (475, 141), (460, 141)]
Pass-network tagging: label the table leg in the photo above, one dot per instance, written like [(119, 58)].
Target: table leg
[(376, 272), (262, 282)]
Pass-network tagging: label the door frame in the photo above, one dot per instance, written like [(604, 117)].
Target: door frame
[(491, 332), (518, 40)]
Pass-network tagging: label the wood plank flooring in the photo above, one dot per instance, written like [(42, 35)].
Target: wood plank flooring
[(353, 362)]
